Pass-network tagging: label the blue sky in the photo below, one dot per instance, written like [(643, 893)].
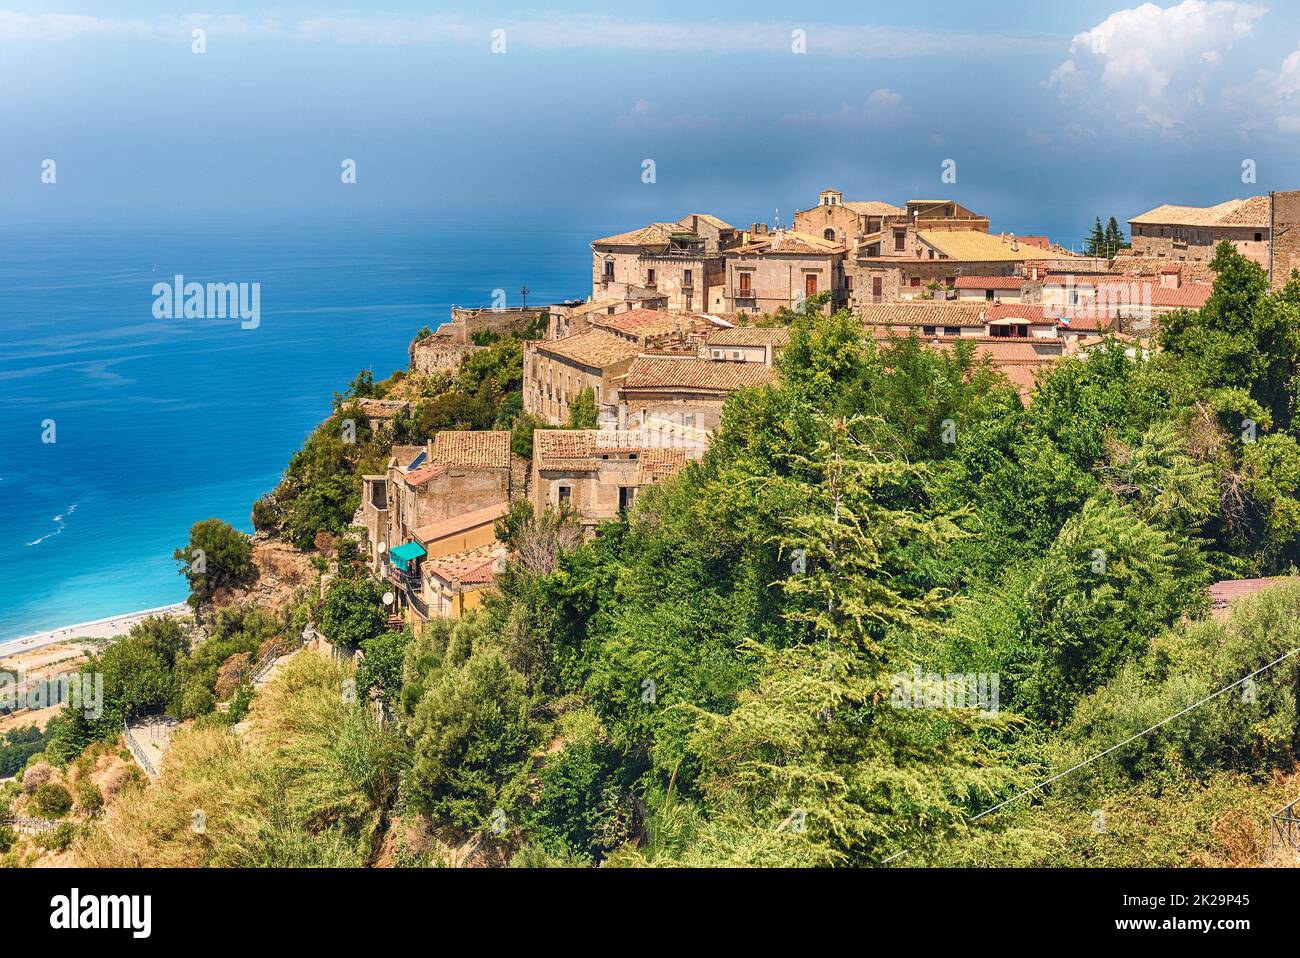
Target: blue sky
[(1052, 112)]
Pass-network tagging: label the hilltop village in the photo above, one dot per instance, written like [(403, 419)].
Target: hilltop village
[(809, 546), (682, 314)]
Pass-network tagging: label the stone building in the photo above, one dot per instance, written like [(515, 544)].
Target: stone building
[(1190, 233), (842, 221), (556, 371), (746, 344), (655, 328), (678, 261), (688, 391), (779, 270), (914, 263), (596, 473), (454, 473)]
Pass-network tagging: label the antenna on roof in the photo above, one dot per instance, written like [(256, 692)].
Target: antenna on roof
[(777, 218)]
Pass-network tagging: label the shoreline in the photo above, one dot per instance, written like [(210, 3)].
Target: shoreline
[(106, 628)]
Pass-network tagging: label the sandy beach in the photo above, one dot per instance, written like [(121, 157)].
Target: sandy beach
[(107, 628)]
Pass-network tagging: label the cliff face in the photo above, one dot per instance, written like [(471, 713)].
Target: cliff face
[(279, 570)]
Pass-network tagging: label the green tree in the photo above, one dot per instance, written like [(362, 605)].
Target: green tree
[(582, 411), (353, 611), (217, 556), (472, 743), (381, 665)]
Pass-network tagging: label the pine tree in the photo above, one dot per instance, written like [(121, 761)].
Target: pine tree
[(1096, 240), (821, 763), (1114, 238)]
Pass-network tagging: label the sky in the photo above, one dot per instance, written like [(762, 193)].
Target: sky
[(514, 115)]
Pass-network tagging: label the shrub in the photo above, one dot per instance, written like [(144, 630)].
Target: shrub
[(52, 800), (89, 798), (217, 555), (36, 776)]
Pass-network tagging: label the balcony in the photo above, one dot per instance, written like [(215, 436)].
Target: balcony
[(743, 292)]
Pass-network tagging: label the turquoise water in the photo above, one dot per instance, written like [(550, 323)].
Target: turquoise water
[(161, 422)]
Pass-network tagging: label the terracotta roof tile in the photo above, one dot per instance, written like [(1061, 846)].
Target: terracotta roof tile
[(990, 282), (1246, 213), (595, 348), (980, 247), (787, 242), (923, 313), (700, 375), (466, 520), (777, 336), (475, 567), (652, 322), (482, 449)]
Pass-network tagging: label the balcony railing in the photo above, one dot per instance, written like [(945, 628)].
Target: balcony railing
[(742, 292)]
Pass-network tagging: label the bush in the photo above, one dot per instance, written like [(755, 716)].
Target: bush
[(89, 799), (353, 611), (36, 776), (59, 838), (52, 800), (216, 556)]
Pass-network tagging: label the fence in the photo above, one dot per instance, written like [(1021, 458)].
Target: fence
[(29, 825), (1284, 826), (137, 750)]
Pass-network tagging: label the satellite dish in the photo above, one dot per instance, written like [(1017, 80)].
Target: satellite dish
[(383, 547), (388, 598)]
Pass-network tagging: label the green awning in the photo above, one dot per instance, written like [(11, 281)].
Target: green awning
[(405, 553)]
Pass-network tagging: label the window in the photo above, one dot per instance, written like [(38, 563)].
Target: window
[(952, 330), (565, 494), (927, 330), (828, 234), (626, 496), (1259, 237), (988, 295), (810, 284), (745, 279), (687, 279), (915, 281), (900, 241), (650, 277), (609, 269), (688, 419)]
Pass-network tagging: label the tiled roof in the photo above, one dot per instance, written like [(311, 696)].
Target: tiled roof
[(474, 567), (1126, 264), (700, 375), (595, 348), (1083, 318), (973, 245), (1223, 594), (923, 313), (656, 464), (989, 282), (1248, 212), (873, 208), (716, 222), (482, 449), (777, 336), (461, 523), (578, 449), (788, 242), (651, 322), (1140, 291), (656, 234)]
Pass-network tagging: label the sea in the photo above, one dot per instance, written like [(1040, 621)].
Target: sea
[(120, 429)]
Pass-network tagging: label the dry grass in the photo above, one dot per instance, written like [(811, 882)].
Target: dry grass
[(306, 786)]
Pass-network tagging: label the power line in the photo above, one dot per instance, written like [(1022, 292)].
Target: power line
[(1074, 768)]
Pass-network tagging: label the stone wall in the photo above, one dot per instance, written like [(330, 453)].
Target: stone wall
[(1286, 238)]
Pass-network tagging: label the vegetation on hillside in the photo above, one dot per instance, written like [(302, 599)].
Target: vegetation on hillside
[(755, 664)]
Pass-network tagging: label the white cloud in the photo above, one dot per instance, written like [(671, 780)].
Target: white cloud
[(1148, 63)]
